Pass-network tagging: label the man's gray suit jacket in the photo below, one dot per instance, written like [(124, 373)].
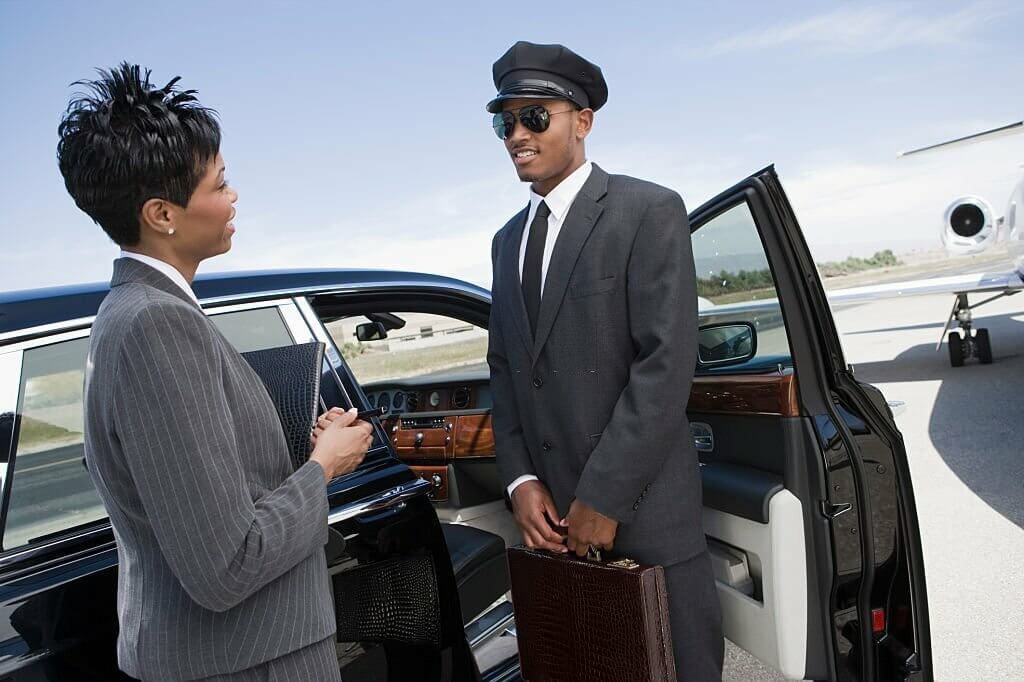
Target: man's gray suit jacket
[(594, 404), (220, 544)]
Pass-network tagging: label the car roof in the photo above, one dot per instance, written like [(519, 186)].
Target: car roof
[(36, 307)]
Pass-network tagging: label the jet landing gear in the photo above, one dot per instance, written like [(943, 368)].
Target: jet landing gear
[(970, 345)]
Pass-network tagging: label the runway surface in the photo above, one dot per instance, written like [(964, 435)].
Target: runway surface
[(964, 433)]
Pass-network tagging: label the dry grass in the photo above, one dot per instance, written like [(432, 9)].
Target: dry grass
[(399, 364)]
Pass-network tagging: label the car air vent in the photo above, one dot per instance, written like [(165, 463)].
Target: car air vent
[(412, 402), (460, 398)]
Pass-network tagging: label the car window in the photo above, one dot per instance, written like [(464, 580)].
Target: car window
[(51, 491), (427, 345), (735, 284), (250, 330)]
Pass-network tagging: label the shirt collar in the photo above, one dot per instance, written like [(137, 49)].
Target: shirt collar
[(164, 268), (561, 197)]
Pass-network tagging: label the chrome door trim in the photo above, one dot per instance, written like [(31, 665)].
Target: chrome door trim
[(211, 310), (39, 341), (320, 334), (390, 498), (495, 621), (296, 324), (10, 387), (41, 330), (102, 528)]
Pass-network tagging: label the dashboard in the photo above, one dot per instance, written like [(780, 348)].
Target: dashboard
[(431, 393), (439, 424)]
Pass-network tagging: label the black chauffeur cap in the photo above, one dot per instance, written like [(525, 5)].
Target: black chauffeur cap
[(547, 72)]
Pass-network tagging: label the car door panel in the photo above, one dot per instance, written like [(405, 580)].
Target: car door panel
[(739, 490), (774, 627), (754, 525), (833, 544)]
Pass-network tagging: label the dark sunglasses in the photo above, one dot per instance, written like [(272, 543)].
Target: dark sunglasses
[(534, 117)]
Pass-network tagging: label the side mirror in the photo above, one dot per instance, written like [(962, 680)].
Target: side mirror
[(731, 343), (371, 331)]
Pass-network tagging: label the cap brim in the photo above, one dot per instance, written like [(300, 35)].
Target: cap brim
[(494, 106)]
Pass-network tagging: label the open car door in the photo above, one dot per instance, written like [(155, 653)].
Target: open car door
[(808, 503)]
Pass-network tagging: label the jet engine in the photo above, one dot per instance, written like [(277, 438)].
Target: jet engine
[(969, 226)]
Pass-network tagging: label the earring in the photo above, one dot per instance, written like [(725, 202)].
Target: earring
[(170, 231)]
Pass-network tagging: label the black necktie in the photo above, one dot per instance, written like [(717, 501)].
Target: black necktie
[(532, 263)]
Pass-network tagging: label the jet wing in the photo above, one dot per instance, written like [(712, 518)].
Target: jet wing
[(955, 284)]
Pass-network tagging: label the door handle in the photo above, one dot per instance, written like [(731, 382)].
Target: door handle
[(703, 436), (391, 497), (831, 510)]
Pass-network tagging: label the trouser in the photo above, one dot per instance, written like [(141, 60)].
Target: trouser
[(696, 619), (315, 663)]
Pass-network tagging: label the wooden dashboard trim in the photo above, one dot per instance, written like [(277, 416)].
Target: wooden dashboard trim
[(462, 436), (439, 489), (474, 436), (772, 394)]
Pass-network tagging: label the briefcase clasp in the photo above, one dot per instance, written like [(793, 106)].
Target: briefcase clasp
[(624, 563)]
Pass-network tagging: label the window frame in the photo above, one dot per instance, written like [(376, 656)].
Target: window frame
[(454, 301), (752, 366), (98, 532)]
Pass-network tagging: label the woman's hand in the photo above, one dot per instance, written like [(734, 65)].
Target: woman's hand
[(323, 421), (340, 442)]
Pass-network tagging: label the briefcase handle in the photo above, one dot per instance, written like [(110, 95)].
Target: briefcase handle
[(594, 555)]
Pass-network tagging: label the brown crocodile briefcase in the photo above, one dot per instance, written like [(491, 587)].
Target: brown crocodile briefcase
[(587, 620)]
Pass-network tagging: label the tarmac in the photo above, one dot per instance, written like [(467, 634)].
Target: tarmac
[(964, 434)]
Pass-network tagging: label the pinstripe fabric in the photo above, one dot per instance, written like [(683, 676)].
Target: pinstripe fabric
[(315, 663), (220, 545)]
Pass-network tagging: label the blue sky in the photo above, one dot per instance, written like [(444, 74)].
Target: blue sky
[(356, 136)]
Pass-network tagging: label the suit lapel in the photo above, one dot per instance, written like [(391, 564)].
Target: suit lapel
[(580, 221), (511, 283)]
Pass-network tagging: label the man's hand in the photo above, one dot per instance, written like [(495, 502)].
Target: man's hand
[(535, 512), (589, 527)]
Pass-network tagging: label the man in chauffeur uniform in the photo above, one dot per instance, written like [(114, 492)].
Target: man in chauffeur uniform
[(593, 346)]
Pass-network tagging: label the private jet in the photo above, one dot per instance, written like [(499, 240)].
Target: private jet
[(969, 226)]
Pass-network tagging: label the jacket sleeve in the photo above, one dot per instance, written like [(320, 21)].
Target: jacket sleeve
[(509, 443), (172, 417), (662, 316)]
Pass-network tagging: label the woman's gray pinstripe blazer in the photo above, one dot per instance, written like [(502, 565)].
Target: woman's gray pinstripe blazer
[(220, 545)]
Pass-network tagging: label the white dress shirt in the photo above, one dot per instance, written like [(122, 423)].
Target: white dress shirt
[(165, 268), (559, 201)]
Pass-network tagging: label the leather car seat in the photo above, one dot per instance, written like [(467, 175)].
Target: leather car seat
[(481, 570)]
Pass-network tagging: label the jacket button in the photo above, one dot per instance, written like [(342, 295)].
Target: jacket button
[(636, 506), (537, 382), (546, 445)]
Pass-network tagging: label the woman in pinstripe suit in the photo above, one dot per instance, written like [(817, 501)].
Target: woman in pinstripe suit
[(220, 544)]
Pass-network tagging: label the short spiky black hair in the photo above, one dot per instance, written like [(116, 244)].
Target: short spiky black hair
[(124, 142)]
